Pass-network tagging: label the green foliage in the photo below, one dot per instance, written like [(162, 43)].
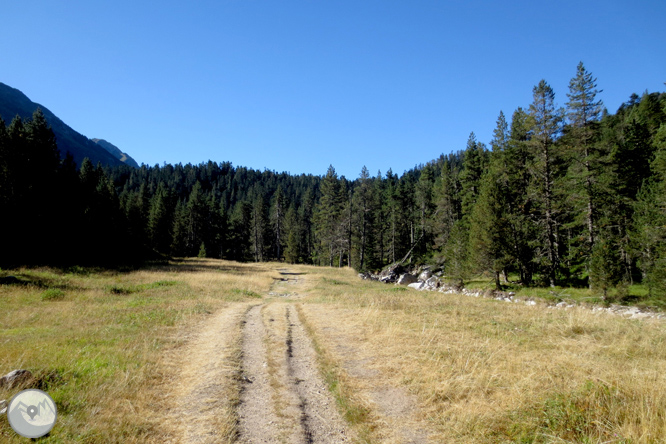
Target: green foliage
[(576, 202), (605, 266), (52, 294)]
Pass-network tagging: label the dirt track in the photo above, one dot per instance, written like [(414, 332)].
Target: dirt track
[(250, 375)]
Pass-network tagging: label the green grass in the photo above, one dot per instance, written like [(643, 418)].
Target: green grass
[(245, 293), (52, 294), (94, 338), (636, 294)]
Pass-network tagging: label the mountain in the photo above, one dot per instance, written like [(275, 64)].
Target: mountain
[(13, 102), (115, 151)]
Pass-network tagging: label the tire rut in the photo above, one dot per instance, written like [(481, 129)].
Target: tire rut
[(258, 422), (283, 397), (320, 419)]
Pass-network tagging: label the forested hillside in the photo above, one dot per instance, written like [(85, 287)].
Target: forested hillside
[(561, 196), (14, 103)]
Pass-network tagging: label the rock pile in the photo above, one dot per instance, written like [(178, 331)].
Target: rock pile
[(423, 279)]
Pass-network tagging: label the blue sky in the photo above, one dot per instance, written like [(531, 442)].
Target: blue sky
[(298, 85)]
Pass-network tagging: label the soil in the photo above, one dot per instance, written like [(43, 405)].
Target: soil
[(250, 374)]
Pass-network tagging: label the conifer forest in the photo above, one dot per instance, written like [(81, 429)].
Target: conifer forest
[(565, 193)]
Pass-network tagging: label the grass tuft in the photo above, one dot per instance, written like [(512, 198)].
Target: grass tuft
[(245, 293), (52, 294)]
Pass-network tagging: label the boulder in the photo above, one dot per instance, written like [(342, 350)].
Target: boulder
[(432, 283), (15, 378), (425, 275), (406, 279), (391, 273), (417, 285)]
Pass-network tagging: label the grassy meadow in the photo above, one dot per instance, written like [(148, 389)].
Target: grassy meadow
[(481, 371), (485, 371), (97, 340)]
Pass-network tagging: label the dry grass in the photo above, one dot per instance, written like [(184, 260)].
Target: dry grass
[(486, 371), (106, 344), (101, 347)]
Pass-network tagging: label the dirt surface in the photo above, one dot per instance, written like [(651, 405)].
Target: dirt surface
[(250, 374), (202, 395), (283, 397), (395, 411)]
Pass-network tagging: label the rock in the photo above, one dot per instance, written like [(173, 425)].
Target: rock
[(391, 273), (416, 285), (15, 378), (432, 283), (425, 275), (3, 407), (365, 275), (406, 279)]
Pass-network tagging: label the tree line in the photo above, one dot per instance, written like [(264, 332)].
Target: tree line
[(570, 195)]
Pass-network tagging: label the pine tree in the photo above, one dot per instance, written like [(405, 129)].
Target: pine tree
[(449, 209), (456, 263), (294, 230), (586, 160), (364, 209), (180, 230), (259, 227), (519, 203), (328, 213), (474, 165), (197, 218), (546, 120), (278, 216), (160, 220), (490, 231), (423, 197)]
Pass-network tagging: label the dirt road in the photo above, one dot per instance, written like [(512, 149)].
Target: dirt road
[(251, 375)]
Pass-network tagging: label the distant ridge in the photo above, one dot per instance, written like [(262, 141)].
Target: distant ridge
[(115, 152), (13, 102)]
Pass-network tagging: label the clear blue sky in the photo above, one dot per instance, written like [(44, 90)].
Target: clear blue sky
[(298, 85)]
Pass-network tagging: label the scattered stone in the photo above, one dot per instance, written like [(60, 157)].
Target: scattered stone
[(391, 273), (398, 274), (3, 407), (16, 378)]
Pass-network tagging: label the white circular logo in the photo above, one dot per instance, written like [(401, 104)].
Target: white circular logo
[(32, 413)]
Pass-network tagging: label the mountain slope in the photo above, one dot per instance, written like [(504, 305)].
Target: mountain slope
[(115, 152), (13, 102)]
